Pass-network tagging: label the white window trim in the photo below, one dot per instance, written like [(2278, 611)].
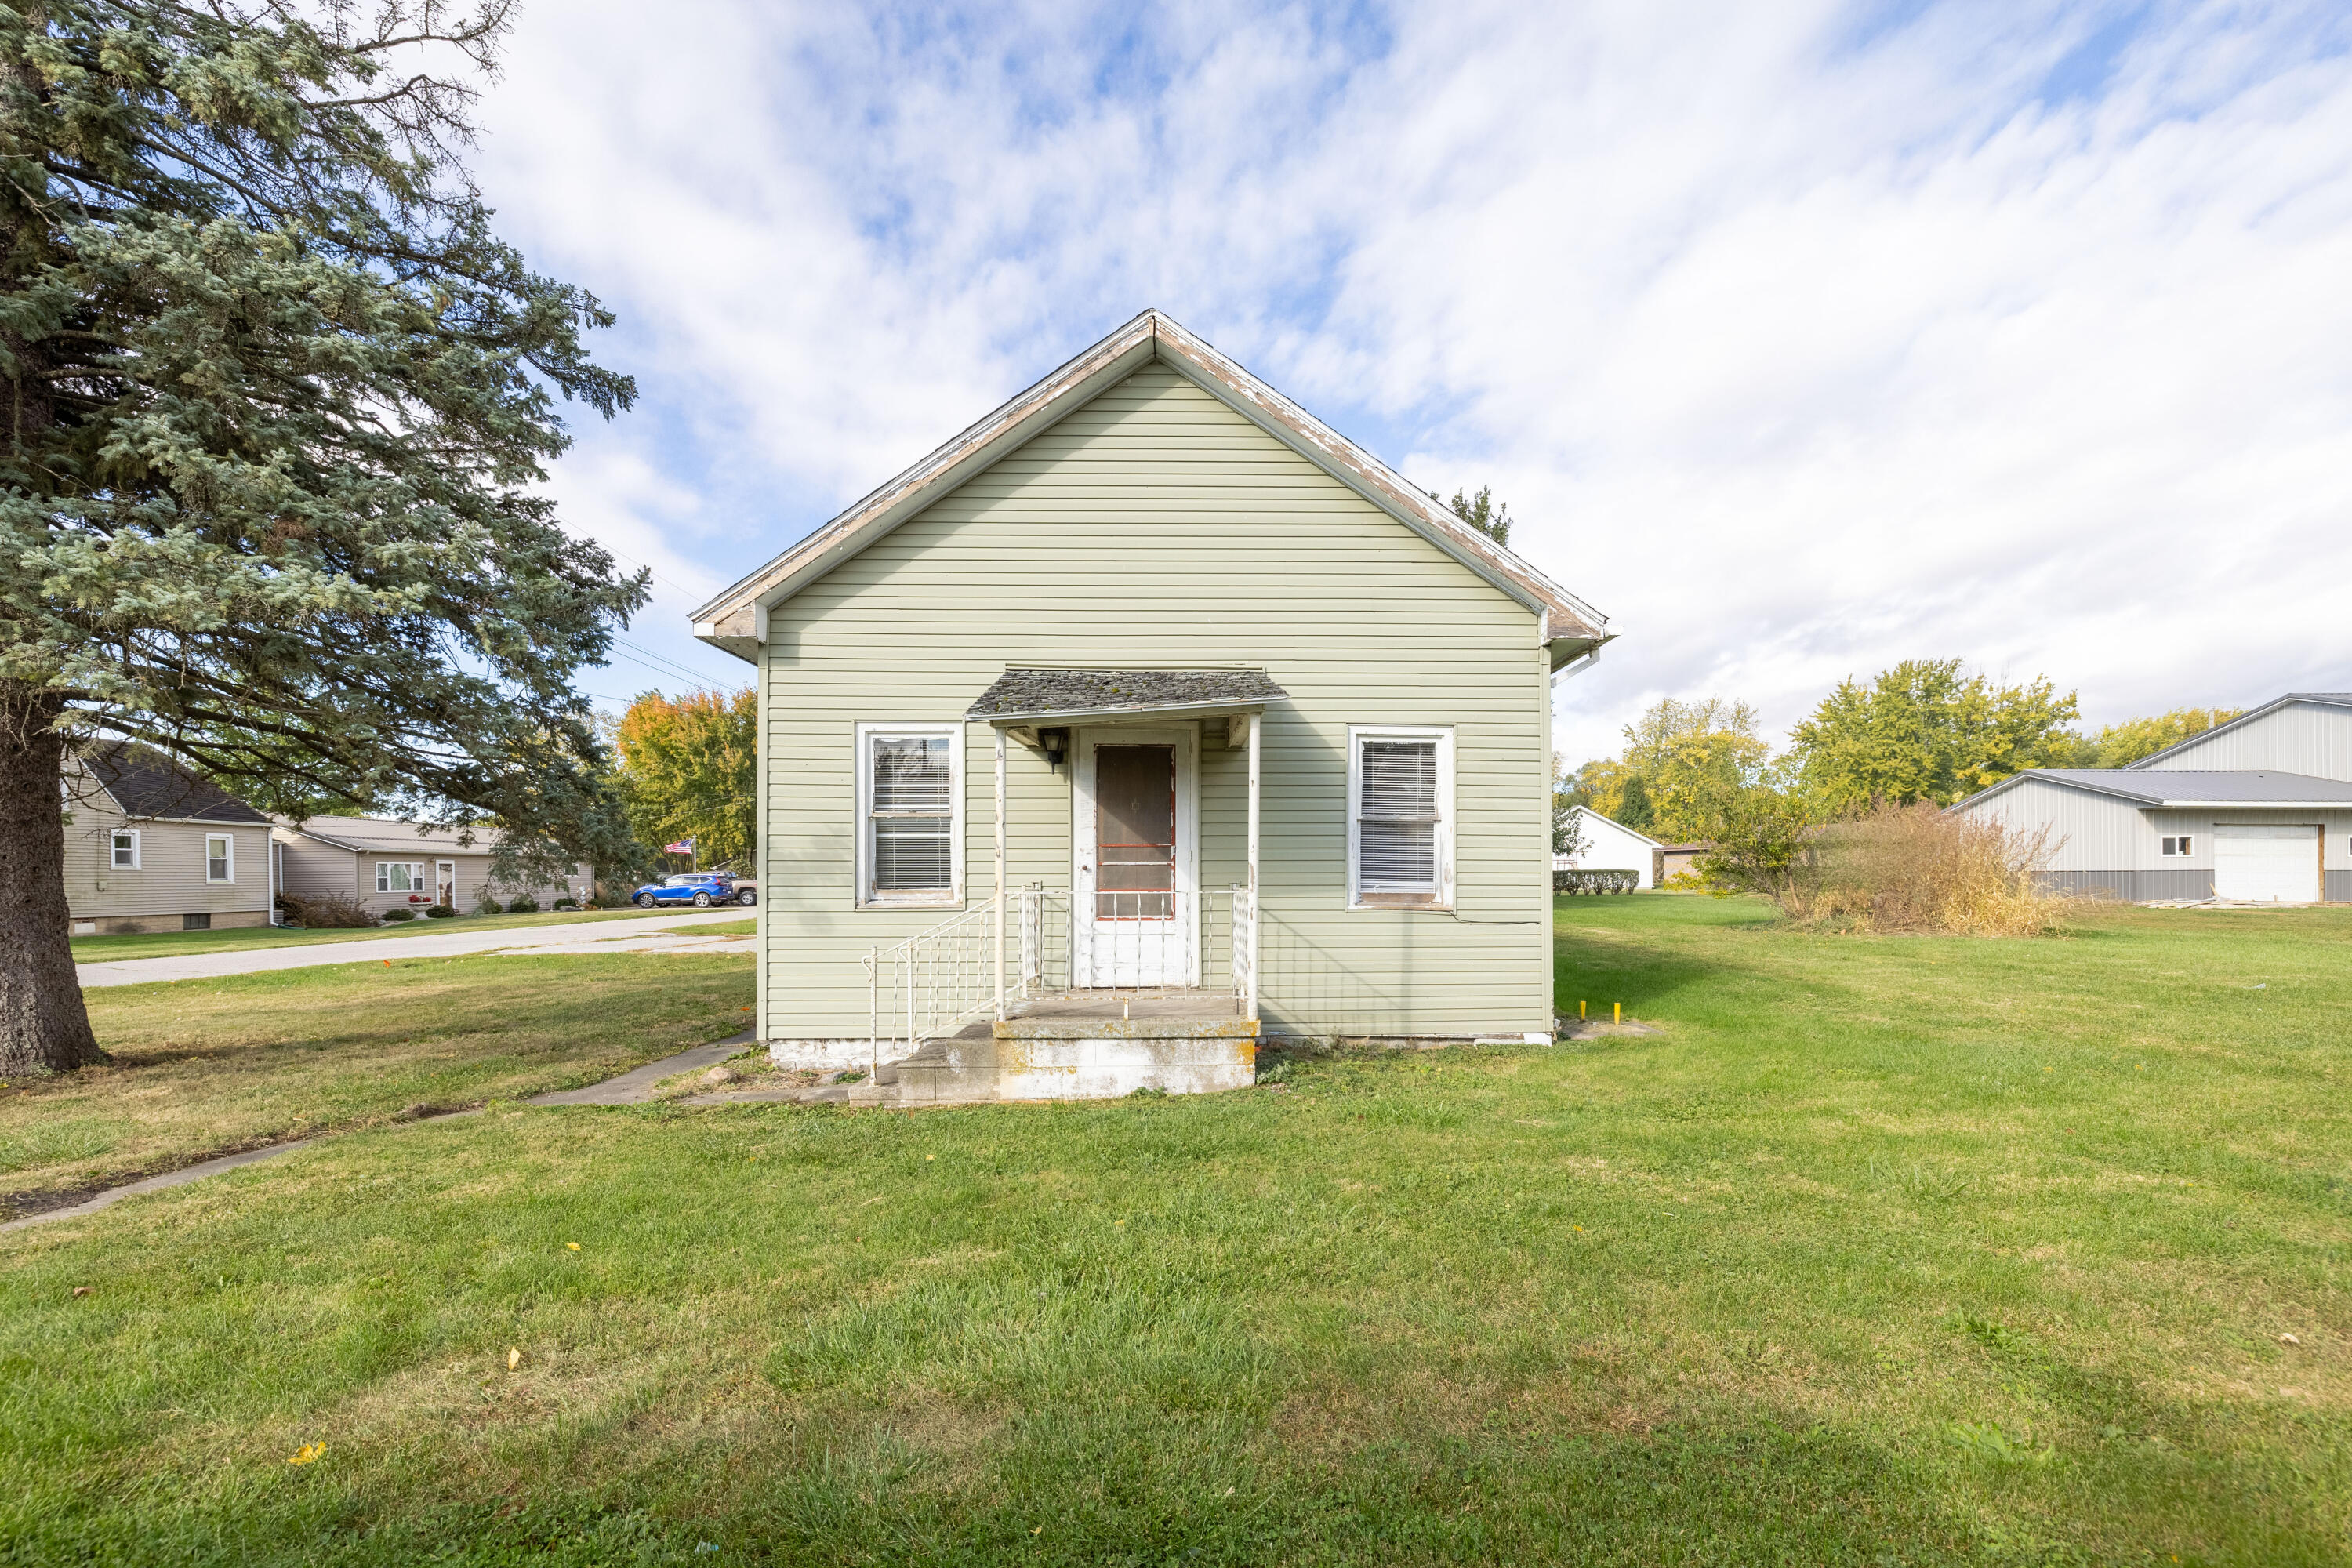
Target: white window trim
[(862, 894), (115, 833), (1358, 898), (230, 840), (415, 877)]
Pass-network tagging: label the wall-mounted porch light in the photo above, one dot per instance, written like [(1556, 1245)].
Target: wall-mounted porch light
[(1054, 743)]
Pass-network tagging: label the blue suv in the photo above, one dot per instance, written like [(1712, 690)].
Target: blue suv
[(701, 889)]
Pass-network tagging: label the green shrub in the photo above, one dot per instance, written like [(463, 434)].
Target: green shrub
[(399, 914), (440, 912), (489, 906), (525, 905), (1595, 881), (565, 903)]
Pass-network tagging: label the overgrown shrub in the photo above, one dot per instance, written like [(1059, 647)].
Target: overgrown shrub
[(325, 911), (398, 913), (565, 903), (440, 912), (525, 905), (1595, 881), (1900, 867), (489, 906)]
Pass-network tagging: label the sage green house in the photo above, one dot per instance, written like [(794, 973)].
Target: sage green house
[(1146, 718)]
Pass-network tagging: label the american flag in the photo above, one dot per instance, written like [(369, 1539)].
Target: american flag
[(683, 846)]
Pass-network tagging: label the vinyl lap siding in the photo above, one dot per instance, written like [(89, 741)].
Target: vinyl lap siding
[(171, 875), (1155, 528)]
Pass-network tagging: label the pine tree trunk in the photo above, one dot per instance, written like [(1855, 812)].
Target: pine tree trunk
[(43, 1024)]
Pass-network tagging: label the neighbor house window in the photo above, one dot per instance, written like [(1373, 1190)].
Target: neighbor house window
[(220, 858), (910, 813), (125, 854), (400, 875), (1399, 818), (2179, 846)]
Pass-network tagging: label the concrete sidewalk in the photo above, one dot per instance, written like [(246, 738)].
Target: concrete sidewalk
[(581, 936), (632, 1088)]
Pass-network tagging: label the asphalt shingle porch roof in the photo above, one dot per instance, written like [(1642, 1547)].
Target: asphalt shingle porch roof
[(1036, 696)]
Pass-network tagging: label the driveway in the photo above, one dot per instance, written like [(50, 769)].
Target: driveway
[(583, 936)]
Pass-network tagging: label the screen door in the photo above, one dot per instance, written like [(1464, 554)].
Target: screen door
[(1135, 890)]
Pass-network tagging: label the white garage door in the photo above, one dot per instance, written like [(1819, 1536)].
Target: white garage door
[(2265, 864)]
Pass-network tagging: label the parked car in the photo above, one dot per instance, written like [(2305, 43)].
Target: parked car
[(701, 889)]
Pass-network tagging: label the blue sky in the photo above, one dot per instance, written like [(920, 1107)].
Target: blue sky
[(1802, 338)]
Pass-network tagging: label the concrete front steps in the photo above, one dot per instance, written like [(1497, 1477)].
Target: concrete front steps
[(1078, 1058)]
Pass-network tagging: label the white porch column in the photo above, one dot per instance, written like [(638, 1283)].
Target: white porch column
[(1257, 912), (1002, 896)]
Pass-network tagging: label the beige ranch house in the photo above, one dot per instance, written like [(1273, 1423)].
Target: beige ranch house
[(1145, 720), (384, 863)]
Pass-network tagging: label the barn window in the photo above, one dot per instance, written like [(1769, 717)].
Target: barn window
[(2179, 846), (1399, 818), (910, 814)]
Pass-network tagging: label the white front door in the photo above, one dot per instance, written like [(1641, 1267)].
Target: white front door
[(2265, 863), (444, 883), (1135, 914)]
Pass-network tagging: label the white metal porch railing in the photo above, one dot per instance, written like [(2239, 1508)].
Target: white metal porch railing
[(937, 981), (933, 983)]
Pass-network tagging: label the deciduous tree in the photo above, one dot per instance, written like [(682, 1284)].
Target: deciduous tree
[(1928, 730), (277, 397), (2119, 745), (689, 767)]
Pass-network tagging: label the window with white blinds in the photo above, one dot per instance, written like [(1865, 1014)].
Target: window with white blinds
[(909, 806), (1400, 829)]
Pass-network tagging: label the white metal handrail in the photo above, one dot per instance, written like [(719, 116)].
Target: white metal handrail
[(1243, 937), (935, 981)]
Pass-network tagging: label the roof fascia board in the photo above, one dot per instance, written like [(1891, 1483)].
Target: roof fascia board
[(1295, 427), (2289, 700), (970, 452), (2013, 780), (2254, 804)]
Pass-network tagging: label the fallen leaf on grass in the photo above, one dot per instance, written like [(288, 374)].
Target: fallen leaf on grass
[(306, 1453), (85, 1290), (572, 1244), (514, 1358)]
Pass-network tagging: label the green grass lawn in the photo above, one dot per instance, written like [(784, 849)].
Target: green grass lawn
[(210, 1066), (168, 944), (1880, 1251)]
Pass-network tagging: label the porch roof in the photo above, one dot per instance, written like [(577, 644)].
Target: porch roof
[(1031, 697)]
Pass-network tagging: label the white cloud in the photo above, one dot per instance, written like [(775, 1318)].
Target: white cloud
[(1797, 348)]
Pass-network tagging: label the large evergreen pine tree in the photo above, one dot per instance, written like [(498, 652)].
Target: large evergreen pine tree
[(276, 393)]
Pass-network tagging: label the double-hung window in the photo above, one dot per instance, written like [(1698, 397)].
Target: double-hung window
[(1399, 818), (220, 858), (400, 875), (909, 814), (124, 855)]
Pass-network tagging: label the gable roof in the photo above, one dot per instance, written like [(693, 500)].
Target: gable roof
[(149, 786), (389, 835), (2178, 787), (737, 619), (1632, 832), (2320, 699)]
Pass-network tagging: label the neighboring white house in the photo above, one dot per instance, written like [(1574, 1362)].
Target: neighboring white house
[(2258, 810), (1611, 847)]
